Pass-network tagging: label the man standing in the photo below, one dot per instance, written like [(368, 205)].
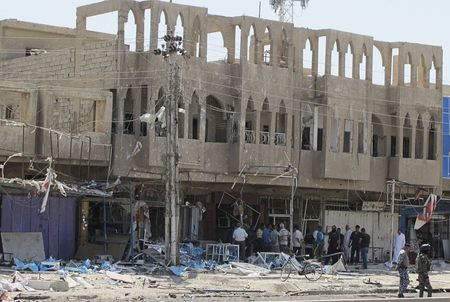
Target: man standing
[(309, 244), (297, 240), (355, 239), (333, 243), (348, 233), (259, 238), (402, 267), (365, 243), (284, 239), (320, 242), (274, 241), (423, 266), (399, 243), (239, 236), (266, 237)]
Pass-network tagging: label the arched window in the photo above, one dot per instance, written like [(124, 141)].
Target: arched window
[(407, 134), (349, 61), (130, 31), (378, 74), (432, 140), (322, 45), (363, 64), (237, 43), (250, 121), (335, 59), (307, 120), (216, 121), (194, 117), (307, 58), (408, 70), (419, 138), (216, 50), (283, 52), (162, 26), (281, 125), (267, 44), (128, 113), (378, 138), (251, 46), (196, 38), (265, 123), (433, 74)]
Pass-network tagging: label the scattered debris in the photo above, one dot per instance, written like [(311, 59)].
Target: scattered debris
[(119, 277)]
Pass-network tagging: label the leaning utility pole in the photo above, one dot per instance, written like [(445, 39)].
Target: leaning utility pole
[(171, 48)]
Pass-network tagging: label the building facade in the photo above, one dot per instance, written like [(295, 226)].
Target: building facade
[(259, 97)]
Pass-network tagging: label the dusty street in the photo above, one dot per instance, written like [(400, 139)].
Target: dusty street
[(214, 286)]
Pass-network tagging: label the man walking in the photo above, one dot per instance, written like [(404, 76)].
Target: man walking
[(274, 241), (347, 235), (402, 267), (239, 236), (333, 243), (365, 243), (355, 239), (399, 243), (297, 240), (320, 242), (284, 239), (423, 266)]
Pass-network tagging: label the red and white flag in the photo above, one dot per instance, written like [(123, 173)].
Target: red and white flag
[(428, 209), (46, 188)]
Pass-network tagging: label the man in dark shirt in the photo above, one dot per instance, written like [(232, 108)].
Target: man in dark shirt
[(365, 243), (333, 244), (354, 244)]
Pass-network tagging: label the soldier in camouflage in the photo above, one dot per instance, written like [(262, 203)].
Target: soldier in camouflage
[(423, 266), (402, 267)]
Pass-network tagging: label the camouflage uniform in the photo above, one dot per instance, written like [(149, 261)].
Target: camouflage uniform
[(423, 265), (403, 263)]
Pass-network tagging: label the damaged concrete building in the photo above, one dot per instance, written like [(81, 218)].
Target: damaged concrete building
[(260, 97)]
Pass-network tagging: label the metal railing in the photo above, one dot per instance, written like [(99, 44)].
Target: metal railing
[(280, 139), (250, 136), (264, 137)]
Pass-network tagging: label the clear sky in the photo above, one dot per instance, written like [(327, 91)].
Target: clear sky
[(386, 20)]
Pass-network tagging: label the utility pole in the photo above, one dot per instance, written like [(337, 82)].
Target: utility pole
[(392, 193), (285, 9), (171, 48)]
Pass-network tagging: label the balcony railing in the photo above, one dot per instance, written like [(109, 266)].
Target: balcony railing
[(280, 139), (264, 137), (250, 136)]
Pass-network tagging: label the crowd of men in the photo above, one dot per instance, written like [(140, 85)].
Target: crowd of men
[(269, 238)]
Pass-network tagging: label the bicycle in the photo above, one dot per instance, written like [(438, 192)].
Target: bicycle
[(311, 270)]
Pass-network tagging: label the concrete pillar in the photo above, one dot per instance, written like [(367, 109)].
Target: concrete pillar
[(413, 140), (315, 60), (426, 77), (244, 48), (387, 68), (289, 130), (328, 51), (140, 29), (155, 16), (401, 73), (273, 116), (257, 127), (202, 130), (186, 121), (426, 138), (355, 66), (438, 78), (121, 95), (369, 67), (414, 69), (275, 55), (399, 137), (121, 20), (342, 63)]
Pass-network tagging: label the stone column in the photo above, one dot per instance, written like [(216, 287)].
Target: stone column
[(315, 59), (273, 116), (438, 78), (289, 130), (202, 129), (257, 127), (328, 51), (155, 18), (342, 64), (426, 138), (186, 120), (244, 48), (426, 77), (355, 66), (413, 140), (140, 29), (414, 69), (121, 95)]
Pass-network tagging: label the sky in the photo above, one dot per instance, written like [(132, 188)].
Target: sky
[(386, 20)]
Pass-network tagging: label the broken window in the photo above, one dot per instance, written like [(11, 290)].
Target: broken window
[(9, 114), (319, 139), (128, 113), (406, 147), (306, 142), (348, 133), (307, 119), (419, 138)]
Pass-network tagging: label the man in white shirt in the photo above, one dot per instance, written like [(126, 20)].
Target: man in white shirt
[(399, 244), (239, 236), (347, 235), (284, 239), (297, 240)]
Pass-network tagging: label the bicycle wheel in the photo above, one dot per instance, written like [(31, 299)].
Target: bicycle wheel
[(313, 272), (286, 270)]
